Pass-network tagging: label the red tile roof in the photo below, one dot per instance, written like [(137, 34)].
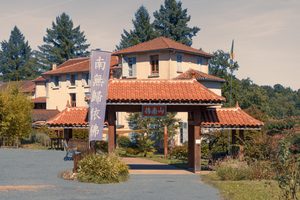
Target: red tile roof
[(228, 117), (201, 76), (25, 86), (43, 114), (39, 100), (161, 43), (76, 116), (190, 91), (77, 65), (39, 79)]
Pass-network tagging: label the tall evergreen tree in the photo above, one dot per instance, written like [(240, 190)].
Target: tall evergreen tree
[(172, 21), (62, 42), (16, 58), (142, 30)]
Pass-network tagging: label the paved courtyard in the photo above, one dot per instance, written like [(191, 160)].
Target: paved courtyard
[(33, 175)]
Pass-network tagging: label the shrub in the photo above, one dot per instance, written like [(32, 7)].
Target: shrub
[(124, 142), (102, 169), (132, 151), (180, 152), (233, 170), (102, 146), (261, 170)]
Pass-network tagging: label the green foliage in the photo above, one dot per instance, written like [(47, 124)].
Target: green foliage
[(171, 21), (82, 134), (180, 152), (145, 144), (16, 58), (288, 171), (142, 30), (15, 114), (124, 142), (62, 42), (102, 169)]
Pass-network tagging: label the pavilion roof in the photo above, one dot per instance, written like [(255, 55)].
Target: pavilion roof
[(75, 116), (198, 75)]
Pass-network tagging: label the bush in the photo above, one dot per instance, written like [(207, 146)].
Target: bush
[(102, 169), (233, 170), (124, 142), (180, 152), (132, 151), (262, 170)]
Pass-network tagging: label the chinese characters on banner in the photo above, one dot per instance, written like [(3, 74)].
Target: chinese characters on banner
[(154, 111), (100, 66)]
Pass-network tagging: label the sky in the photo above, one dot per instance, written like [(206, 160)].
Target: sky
[(266, 33)]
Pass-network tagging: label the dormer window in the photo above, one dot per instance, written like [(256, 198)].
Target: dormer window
[(154, 62)]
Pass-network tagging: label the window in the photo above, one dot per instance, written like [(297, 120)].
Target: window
[(179, 63), (56, 81), (154, 62), (132, 67), (86, 79), (73, 99), (202, 61), (73, 79), (199, 61)]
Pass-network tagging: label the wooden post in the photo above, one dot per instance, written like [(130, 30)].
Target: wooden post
[(194, 136), (111, 118), (241, 145), (166, 141), (233, 144)]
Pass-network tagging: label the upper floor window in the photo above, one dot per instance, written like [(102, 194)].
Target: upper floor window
[(86, 79), (154, 62), (73, 79), (202, 61), (129, 66), (55, 80), (179, 62)]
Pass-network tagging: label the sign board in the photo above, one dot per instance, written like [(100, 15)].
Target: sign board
[(154, 111), (198, 141), (99, 69)]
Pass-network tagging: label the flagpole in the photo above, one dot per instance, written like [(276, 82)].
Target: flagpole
[(231, 72)]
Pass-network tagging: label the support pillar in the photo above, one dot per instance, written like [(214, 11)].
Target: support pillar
[(111, 119), (166, 141), (241, 145), (234, 149), (194, 142)]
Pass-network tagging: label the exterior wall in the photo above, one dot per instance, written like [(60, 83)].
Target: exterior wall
[(167, 64), (215, 87), (57, 97), (40, 89)]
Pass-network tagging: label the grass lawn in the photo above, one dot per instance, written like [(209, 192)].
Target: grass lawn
[(244, 190), (36, 146)]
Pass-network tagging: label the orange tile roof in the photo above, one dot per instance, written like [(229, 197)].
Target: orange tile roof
[(161, 43), (77, 65), (189, 91), (39, 100), (201, 76), (228, 117), (75, 116), (43, 114), (39, 79)]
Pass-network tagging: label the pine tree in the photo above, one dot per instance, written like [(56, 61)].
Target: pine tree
[(62, 42), (142, 31), (172, 21), (16, 58)]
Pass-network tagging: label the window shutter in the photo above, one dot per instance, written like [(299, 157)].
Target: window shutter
[(124, 67), (134, 67), (68, 77)]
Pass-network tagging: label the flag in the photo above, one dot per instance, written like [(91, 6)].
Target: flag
[(231, 51), (100, 66)]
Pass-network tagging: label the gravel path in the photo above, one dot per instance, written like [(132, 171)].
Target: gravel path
[(33, 175)]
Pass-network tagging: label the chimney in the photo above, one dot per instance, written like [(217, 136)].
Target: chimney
[(54, 66)]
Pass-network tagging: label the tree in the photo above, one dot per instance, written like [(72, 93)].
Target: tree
[(15, 114), (16, 58), (62, 42), (172, 21), (142, 30)]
